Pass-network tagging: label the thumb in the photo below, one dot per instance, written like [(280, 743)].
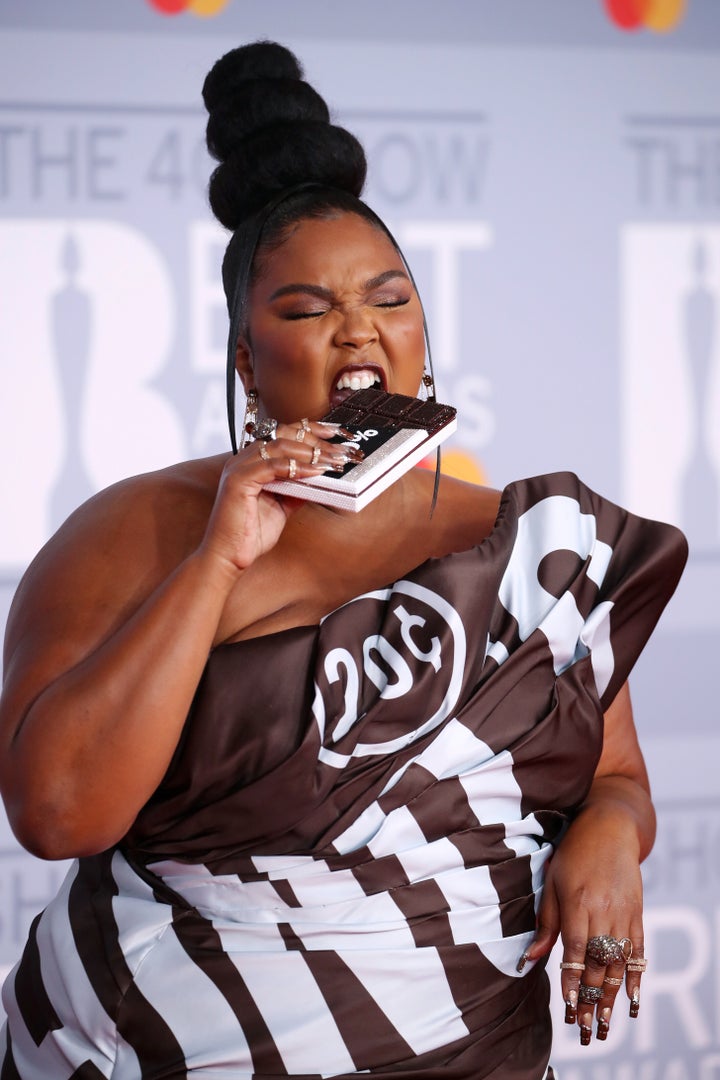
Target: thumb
[(548, 924)]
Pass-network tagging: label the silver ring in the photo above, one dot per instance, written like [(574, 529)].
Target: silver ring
[(266, 429), (292, 468), (315, 455), (264, 453), (590, 995), (606, 949), (300, 434)]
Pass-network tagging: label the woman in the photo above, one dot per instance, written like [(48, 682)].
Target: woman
[(313, 765)]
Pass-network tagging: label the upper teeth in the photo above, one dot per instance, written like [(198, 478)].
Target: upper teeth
[(357, 380)]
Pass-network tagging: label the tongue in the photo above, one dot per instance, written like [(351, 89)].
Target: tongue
[(338, 396)]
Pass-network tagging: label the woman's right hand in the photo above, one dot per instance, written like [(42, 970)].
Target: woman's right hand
[(246, 521), (110, 632)]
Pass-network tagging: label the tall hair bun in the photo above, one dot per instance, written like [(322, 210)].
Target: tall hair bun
[(270, 130)]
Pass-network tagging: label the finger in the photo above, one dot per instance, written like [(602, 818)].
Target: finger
[(635, 967), (312, 430), (282, 457)]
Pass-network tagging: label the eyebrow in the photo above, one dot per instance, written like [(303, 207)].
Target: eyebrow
[(327, 294)]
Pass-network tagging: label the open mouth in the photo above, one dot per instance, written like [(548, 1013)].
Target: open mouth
[(355, 378)]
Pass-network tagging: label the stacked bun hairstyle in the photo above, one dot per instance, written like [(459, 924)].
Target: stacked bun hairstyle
[(280, 160)]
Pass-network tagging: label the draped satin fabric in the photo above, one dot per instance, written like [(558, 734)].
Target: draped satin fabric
[(341, 868)]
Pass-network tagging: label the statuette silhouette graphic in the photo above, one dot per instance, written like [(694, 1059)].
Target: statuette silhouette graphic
[(71, 331), (701, 502)]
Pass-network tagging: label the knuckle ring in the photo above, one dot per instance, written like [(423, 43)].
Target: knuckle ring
[(612, 982), (305, 424), (292, 468), (264, 453), (606, 949), (266, 429), (638, 964), (315, 455), (571, 965), (590, 995), (300, 434)]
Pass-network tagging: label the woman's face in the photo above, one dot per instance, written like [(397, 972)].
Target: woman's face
[(332, 311)]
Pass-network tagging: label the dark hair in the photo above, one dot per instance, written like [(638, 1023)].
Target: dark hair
[(271, 133), (281, 161)]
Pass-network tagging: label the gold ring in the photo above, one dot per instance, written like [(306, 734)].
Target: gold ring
[(612, 982), (300, 434), (315, 455), (569, 965), (292, 468), (264, 451)]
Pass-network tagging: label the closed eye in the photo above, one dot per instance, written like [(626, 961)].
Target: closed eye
[(399, 301), (292, 316)]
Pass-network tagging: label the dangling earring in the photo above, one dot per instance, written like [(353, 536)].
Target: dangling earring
[(429, 384), (250, 417)]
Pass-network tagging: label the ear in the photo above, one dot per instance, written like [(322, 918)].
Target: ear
[(243, 364)]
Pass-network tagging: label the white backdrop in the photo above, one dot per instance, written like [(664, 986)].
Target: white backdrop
[(555, 181)]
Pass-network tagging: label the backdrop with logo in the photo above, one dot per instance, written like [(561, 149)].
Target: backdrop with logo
[(553, 172)]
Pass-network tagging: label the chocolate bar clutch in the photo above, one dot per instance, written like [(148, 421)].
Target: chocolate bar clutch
[(394, 432)]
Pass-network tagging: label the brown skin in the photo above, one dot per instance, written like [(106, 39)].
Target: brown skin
[(112, 624)]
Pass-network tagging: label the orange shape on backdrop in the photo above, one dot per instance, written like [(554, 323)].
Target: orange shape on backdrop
[(459, 464), (658, 15), (663, 15), (206, 8)]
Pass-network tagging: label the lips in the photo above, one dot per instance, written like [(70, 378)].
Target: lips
[(355, 377)]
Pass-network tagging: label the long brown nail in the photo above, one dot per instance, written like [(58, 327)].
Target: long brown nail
[(635, 1002), (603, 1024), (571, 1007), (522, 962), (585, 1035)]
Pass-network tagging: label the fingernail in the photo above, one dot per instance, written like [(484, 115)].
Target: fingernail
[(335, 428), (571, 1007), (635, 1002), (603, 1024), (585, 1035), (522, 962)]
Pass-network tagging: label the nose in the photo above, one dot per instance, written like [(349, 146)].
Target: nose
[(356, 329)]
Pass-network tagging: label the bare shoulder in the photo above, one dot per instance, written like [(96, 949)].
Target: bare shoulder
[(113, 551), (465, 513)]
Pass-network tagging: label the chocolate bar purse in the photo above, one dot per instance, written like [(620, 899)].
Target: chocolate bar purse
[(394, 431)]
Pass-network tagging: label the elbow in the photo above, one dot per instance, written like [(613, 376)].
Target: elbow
[(53, 833)]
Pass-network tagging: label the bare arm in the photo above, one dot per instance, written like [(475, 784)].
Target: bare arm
[(106, 643)]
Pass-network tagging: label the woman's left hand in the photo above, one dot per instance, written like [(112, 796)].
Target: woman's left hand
[(593, 887)]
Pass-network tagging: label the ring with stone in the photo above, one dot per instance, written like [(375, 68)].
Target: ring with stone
[(590, 995), (266, 429), (606, 949), (292, 468)]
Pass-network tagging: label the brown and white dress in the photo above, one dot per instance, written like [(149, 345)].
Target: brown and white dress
[(342, 866)]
